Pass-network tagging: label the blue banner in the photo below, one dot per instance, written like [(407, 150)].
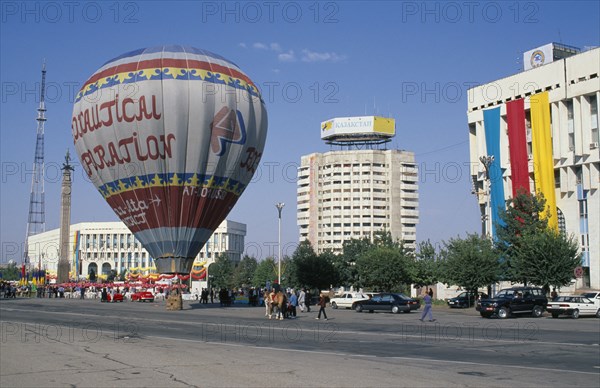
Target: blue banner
[(491, 122)]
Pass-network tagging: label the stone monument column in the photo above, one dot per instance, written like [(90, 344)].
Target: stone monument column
[(64, 257)]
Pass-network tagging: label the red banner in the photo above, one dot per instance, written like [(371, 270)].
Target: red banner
[(517, 140)]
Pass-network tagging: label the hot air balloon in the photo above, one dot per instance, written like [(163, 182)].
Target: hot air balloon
[(170, 136)]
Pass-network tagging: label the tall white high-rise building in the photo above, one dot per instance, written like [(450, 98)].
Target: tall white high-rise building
[(541, 128), (357, 192)]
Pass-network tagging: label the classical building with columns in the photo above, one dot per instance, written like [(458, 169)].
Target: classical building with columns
[(106, 246), (538, 131)]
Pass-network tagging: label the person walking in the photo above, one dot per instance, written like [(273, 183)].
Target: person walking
[(427, 310), (322, 303), (301, 299), (293, 303)]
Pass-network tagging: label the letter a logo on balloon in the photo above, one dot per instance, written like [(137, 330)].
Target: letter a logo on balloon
[(227, 127)]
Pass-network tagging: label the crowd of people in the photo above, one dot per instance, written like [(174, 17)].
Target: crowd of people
[(281, 304)]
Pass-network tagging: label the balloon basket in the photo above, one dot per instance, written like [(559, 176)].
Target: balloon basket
[(174, 302)]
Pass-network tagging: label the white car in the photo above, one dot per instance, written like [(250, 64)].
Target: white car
[(594, 296), (573, 305), (346, 299)]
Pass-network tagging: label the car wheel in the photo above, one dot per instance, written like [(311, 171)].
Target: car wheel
[(358, 308), (395, 309), (575, 314), (537, 311), (598, 313), (503, 313), (554, 315), (334, 305)]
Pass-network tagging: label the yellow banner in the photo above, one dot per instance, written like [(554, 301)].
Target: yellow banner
[(543, 163)]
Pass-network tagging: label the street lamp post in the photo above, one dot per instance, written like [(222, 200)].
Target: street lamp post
[(487, 218), (279, 207)]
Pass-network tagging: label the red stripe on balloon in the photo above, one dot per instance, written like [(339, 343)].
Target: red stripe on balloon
[(170, 207), (167, 62)]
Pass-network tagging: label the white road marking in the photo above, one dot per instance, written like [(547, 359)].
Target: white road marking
[(424, 335)]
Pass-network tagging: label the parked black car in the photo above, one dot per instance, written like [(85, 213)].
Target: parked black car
[(516, 300), (387, 302), (466, 299)]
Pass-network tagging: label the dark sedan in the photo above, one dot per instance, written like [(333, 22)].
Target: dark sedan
[(387, 302), (465, 299)]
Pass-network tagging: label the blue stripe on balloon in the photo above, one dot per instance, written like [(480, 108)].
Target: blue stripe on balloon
[(165, 74), (110, 188), (159, 241)]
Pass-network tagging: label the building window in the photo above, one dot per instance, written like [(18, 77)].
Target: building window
[(594, 118), (570, 125), (528, 134)]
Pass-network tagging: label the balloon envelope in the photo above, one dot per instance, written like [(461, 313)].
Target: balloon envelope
[(170, 136)]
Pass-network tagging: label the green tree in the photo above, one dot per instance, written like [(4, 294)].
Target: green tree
[(266, 271), (425, 266), (243, 273), (470, 263), (385, 268), (221, 272), (345, 264), (10, 272), (546, 258), (111, 276), (521, 217), (312, 270), (383, 238)]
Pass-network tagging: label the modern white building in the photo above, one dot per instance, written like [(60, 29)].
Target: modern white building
[(106, 246), (355, 193), (541, 128)]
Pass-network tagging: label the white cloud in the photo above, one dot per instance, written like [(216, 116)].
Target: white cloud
[(287, 57), (313, 56), (260, 46), (242, 44), (275, 47)]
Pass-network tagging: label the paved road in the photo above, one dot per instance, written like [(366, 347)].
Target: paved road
[(85, 343)]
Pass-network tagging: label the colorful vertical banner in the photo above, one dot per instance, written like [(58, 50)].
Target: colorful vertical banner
[(517, 141), (76, 254), (491, 123), (543, 163)]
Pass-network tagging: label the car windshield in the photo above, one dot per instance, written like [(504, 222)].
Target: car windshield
[(505, 294), (589, 294), (402, 296), (573, 299)]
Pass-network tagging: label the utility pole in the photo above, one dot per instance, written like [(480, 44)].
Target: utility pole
[(487, 217)]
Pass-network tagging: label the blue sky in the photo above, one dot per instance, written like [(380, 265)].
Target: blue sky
[(413, 61)]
